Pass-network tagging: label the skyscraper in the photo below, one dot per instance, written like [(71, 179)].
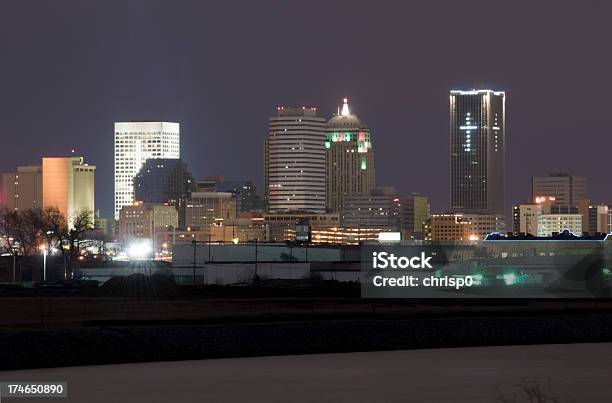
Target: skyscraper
[(567, 190), (136, 142), (294, 167), (68, 185), (477, 151), (246, 194), (349, 159), (22, 190)]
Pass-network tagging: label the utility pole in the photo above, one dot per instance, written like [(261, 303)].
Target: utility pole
[(194, 243), (209, 240), (14, 264), (256, 276)]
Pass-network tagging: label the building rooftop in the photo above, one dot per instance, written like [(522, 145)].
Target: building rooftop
[(345, 119)]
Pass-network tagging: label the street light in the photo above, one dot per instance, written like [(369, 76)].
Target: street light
[(43, 248)]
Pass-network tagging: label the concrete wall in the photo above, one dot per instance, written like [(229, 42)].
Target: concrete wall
[(182, 254)]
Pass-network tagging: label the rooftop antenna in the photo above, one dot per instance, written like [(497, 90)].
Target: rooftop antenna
[(345, 108)]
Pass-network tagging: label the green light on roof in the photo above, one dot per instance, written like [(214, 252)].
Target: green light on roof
[(363, 163), (327, 144), (510, 278)]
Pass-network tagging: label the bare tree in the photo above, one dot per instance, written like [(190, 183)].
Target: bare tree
[(52, 226), (73, 238), (21, 229), (9, 221)]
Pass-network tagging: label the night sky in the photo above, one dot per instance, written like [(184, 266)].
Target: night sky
[(69, 69)]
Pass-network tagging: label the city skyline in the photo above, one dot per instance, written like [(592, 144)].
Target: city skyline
[(106, 75), (440, 206)]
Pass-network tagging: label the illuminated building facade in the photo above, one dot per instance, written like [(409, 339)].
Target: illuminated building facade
[(240, 230), (379, 209), (447, 227), (566, 189), (204, 209), (142, 220), (22, 190), (477, 151), (484, 224), (294, 161), (345, 236), (349, 159), (550, 224), (544, 218), (68, 184), (280, 224), (135, 143)]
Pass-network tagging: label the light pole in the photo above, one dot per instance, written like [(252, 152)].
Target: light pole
[(44, 252), (9, 242)]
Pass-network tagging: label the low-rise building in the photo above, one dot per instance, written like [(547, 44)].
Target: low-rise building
[(240, 230), (204, 209), (551, 224), (379, 209), (143, 220), (545, 217), (280, 223), (339, 235), (448, 227)]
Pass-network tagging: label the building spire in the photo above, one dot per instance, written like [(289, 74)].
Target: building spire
[(345, 108)]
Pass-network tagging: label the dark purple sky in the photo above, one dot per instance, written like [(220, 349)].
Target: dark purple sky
[(69, 69)]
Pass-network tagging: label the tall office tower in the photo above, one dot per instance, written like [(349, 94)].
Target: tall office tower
[(22, 190), (165, 180), (349, 159), (136, 142), (294, 168), (567, 190), (246, 194), (477, 151), (68, 184)]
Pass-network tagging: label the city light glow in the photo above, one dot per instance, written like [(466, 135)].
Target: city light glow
[(139, 250)]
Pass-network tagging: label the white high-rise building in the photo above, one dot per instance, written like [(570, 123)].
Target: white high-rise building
[(135, 142), (295, 161)]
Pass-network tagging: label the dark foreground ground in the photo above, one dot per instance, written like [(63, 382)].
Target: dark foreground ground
[(142, 319), (550, 373), (108, 344)]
